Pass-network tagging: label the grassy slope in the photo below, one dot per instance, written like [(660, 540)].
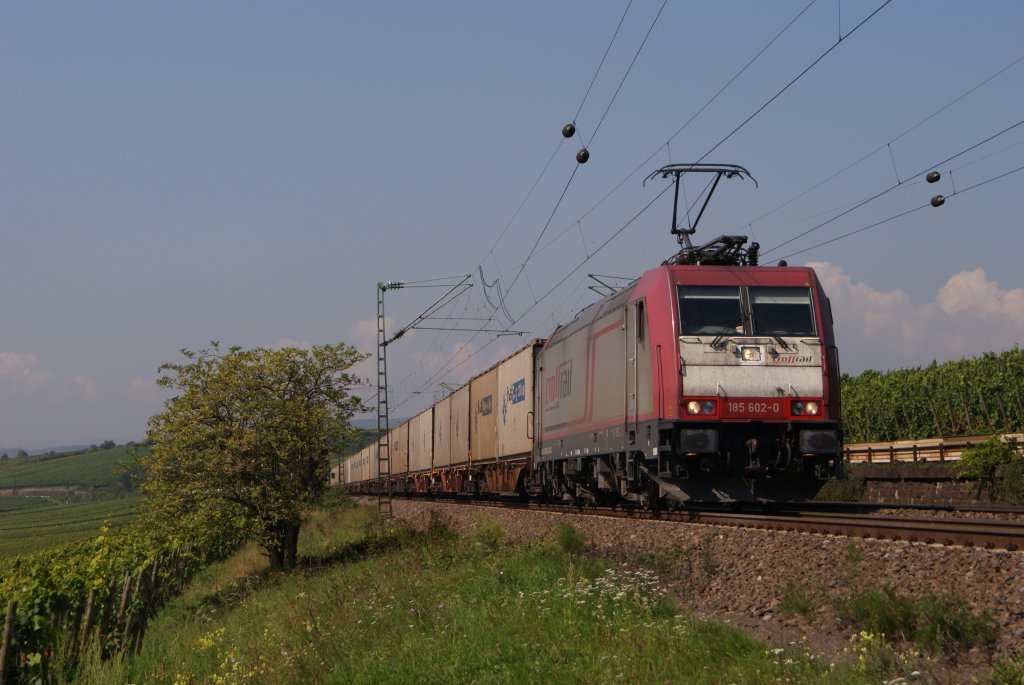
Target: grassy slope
[(88, 470), (382, 605)]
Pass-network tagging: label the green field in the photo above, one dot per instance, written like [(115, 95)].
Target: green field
[(88, 470), (29, 524)]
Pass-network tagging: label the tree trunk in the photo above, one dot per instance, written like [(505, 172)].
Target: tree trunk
[(291, 544), (282, 552)]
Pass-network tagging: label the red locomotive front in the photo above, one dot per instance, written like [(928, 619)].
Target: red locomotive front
[(709, 378), (697, 382)]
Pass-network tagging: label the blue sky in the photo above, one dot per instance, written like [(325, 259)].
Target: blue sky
[(177, 173)]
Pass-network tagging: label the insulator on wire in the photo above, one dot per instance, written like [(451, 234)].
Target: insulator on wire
[(938, 200), (568, 131), (582, 156), (933, 176)]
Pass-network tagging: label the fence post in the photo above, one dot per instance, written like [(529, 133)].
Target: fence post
[(12, 608), (86, 622), (124, 595)]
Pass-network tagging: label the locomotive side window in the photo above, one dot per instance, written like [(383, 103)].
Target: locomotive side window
[(640, 321), (710, 310), (782, 311)]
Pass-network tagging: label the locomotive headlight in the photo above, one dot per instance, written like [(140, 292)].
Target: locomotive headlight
[(701, 407), (805, 408), (750, 354)]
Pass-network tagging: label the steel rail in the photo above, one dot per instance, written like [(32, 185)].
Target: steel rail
[(984, 534)]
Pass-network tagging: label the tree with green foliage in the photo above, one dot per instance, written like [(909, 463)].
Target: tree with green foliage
[(990, 464), (247, 441)]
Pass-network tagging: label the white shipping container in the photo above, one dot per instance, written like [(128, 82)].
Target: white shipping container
[(515, 403), (442, 433), (421, 441), (460, 426)]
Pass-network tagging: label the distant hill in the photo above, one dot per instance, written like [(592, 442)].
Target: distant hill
[(12, 451), (89, 471)]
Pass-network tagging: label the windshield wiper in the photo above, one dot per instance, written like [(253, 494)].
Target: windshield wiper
[(720, 338), (758, 322)]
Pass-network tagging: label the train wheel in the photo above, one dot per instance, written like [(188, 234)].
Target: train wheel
[(649, 497)]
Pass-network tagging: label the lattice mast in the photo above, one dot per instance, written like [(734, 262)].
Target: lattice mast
[(383, 431)]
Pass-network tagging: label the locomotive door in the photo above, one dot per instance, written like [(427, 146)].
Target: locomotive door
[(634, 322)]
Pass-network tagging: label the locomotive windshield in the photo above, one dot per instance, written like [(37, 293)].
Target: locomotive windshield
[(710, 310), (736, 310), (782, 311)]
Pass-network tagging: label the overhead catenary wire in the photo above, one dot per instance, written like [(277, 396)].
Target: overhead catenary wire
[(648, 205), (642, 165), (601, 63), (891, 188), (905, 213), (622, 81), (795, 79), (501, 300), (447, 367), (572, 176), (878, 149)]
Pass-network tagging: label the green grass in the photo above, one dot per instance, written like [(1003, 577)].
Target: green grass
[(376, 603), (29, 524), (85, 470), (940, 622)]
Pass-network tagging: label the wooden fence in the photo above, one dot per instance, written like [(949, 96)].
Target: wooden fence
[(927, 449), (111, 619)]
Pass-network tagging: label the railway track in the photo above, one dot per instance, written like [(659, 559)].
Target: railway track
[(980, 533)]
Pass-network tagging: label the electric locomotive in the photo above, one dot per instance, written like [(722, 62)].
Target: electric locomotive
[(708, 379)]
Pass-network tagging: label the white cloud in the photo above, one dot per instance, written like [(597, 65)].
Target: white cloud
[(363, 334), (885, 329), (21, 368)]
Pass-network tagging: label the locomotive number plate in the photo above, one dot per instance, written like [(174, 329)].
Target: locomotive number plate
[(747, 408)]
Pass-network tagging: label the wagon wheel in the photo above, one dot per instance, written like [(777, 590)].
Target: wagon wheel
[(649, 497)]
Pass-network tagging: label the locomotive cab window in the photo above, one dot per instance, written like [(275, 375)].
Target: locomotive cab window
[(710, 310), (781, 311)]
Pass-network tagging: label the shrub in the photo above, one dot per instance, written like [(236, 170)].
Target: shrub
[(846, 489), (570, 540), (940, 622), (948, 623), (796, 598), (439, 529), (1009, 484), (1006, 672), (981, 462), (706, 553), (884, 611), (489, 534)]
